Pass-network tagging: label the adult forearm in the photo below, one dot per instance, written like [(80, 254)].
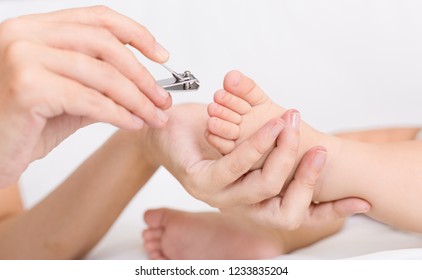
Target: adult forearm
[(73, 218)]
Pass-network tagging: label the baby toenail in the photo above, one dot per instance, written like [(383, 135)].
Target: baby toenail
[(235, 79), (214, 107), (222, 94)]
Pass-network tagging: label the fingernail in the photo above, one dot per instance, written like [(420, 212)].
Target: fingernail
[(161, 115), (295, 120), (139, 122), (162, 92), (319, 159), (161, 52), (277, 128)]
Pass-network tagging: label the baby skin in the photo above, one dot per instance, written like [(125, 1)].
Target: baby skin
[(241, 108), (179, 235), (353, 169)]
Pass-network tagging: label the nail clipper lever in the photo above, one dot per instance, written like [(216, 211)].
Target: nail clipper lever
[(185, 81)]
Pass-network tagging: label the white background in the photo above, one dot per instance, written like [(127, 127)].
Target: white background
[(343, 64)]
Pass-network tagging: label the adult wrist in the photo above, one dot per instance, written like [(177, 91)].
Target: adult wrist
[(147, 146), (135, 145)]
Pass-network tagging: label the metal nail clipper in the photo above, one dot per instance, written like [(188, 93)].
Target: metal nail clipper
[(185, 81)]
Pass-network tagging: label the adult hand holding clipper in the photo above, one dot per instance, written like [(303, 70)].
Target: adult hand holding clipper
[(62, 70)]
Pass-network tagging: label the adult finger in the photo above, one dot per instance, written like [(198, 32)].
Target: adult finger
[(228, 171), (103, 78), (76, 100), (125, 29), (259, 185), (333, 210), (96, 42), (282, 160), (100, 43), (289, 211), (317, 214), (300, 191)]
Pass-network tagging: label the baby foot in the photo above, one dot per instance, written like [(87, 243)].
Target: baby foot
[(239, 110), (181, 235)]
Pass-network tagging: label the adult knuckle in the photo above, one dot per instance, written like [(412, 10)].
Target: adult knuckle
[(143, 77), (22, 80), (83, 64), (16, 50), (143, 32), (144, 106), (236, 167), (250, 199), (139, 104), (288, 222), (270, 190), (95, 101), (307, 183), (275, 182), (259, 146), (102, 15), (142, 71), (104, 35), (79, 62), (293, 148), (218, 176), (10, 27), (292, 225), (111, 74), (100, 10), (287, 166)]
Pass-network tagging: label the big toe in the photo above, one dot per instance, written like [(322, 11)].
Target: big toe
[(244, 87), (155, 218)]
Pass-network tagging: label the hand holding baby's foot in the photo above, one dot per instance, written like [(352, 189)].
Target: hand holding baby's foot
[(240, 109)]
